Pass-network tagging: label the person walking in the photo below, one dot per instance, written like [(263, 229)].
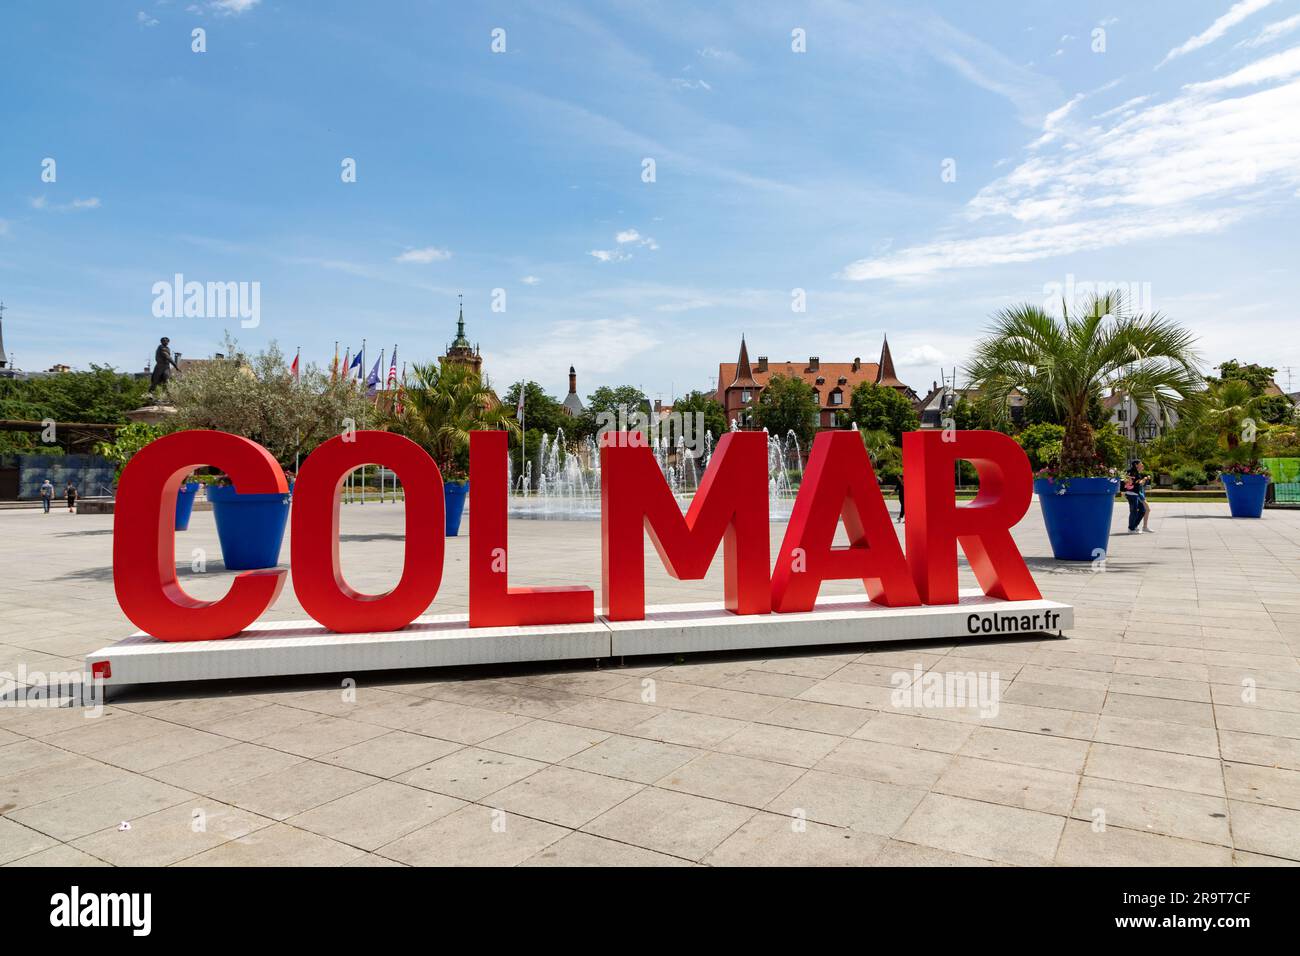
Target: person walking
[(47, 494), (901, 506), (1144, 482), (70, 492), (1133, 495)]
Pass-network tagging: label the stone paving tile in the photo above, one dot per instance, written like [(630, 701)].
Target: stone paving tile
[(75, 815), (1177, 813), (394, 752), (1274, 786), (975, 828), (1155, 767), (283, 793), (1271, 831), (688, 730), (220, 769), (545, 740), (799, 748), (564, 796), (1083, 845), (583, 849), (18, 841), (740, 780), (376, 815), (1013, 785), (920, 732), (887, 763), (822, 718), (841, 801), (276, 845), (1030, 750), (474, 836), (470, 773), (62, 855), (633, 758), (168, 836), (679, 824), (769, 839)]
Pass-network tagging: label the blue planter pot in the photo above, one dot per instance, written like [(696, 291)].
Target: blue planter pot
[(1246, 494), (185, 505), (453, 498), (1077, 514), (250, 527)]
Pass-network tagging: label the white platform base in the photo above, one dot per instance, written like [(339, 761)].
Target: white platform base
[(284, 648)]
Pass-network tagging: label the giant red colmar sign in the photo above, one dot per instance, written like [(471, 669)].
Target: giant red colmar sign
[(729, 512)]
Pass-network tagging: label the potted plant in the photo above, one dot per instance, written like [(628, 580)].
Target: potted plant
[(1070, 363), (1246, 484), (250, 527), (1228, 411), (439, 408)]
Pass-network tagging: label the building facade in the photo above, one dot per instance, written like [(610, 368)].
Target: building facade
[(741, 382)]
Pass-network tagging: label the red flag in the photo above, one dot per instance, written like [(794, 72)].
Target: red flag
[(293, 369)]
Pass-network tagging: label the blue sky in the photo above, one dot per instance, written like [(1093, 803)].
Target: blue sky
[(1163, 152)]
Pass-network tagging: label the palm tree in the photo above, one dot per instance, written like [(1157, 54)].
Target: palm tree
[(442, 405), (1072, 361), (1229, 411)]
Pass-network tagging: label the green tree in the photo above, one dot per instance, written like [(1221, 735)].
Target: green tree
[(441, 406), (259, 399), (880, 408), (541, 411), (1072, 361), (886, 457), (611, 407), (1042, 443), (128, 440), (1274, 409), (704, 403), (787, 404)]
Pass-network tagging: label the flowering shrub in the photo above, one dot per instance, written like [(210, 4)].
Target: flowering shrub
[(1238, 468)]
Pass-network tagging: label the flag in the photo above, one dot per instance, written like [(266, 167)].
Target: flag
[(372, 380), (392, 370), (293, 369), (398, 405), (334, 365), (356, 364), (519, 406), (347, 359)]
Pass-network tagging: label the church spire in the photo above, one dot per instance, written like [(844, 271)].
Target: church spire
[(885, 374), (744, 374)]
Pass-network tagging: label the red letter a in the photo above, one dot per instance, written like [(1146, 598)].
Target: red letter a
[(839, 483), (935, 525), (492, 602), (730, 508)]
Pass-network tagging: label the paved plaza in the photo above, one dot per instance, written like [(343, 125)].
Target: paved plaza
[(1164, 729)]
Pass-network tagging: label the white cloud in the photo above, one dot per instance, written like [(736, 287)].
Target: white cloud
[(609, 255), (424, 256), (607, 345), (1276, 67), (1236, 13), (233, 7), (1273, 31), (626, 236), (145, 20), (1028, 245), (530, 280), (923, 355), (1123, 107), (43, 202)]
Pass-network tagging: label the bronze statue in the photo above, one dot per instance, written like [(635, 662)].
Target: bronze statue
[(163, 364)]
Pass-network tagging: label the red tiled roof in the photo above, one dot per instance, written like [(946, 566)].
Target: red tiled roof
[(830, 371)]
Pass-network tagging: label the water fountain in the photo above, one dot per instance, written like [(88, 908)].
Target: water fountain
[(562, 482)]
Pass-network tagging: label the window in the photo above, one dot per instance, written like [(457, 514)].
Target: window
[(745, 395), (837, 397)]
